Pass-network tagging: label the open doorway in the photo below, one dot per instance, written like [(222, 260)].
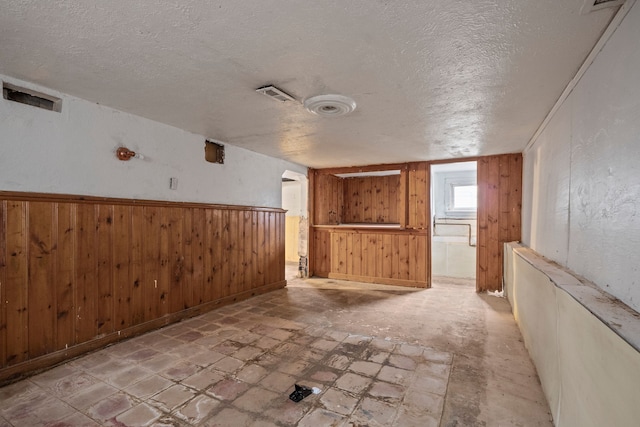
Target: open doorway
[(294, 201), (454, 202)]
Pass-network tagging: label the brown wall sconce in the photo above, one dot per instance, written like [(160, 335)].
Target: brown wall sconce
[(123, 153), (213, 152)]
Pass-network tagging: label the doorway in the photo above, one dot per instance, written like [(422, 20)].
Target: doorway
[(454, 223), (294, 201)]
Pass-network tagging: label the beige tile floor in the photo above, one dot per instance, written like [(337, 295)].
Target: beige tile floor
[(381, 356)]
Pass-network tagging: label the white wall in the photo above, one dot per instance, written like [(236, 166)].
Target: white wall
[(581, 195), (73, 152), (291, 198), (584, 346)]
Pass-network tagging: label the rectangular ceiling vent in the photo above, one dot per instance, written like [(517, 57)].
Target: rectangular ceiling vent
[(275, 93), (593, 5), (31, 97)]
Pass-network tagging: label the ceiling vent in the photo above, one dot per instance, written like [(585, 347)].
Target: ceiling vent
[(275, 93), (593, 5), (330, 105)]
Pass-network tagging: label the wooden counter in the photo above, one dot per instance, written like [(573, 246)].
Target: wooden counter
[(375, 253)]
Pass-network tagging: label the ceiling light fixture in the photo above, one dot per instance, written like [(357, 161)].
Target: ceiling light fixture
[(330, 105)]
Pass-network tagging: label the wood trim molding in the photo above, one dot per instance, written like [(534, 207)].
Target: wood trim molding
[(73, 198), (358, 169), (378, 280)]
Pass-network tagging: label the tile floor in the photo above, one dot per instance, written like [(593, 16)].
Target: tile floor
[(380, 355)]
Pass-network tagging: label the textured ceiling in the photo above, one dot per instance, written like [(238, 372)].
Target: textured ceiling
[(432, 79)]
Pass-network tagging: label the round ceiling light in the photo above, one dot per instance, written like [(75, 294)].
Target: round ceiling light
[(330, 105)]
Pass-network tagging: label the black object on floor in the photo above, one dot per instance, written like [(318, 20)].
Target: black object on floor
[(300, 393)]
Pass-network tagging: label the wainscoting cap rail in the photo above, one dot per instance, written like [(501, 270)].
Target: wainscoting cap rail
[(73, 198)]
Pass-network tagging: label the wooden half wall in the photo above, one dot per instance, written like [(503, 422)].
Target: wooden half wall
[(77, 273)]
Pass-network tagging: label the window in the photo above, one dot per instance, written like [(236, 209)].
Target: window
[(461, 196), (465, 197)]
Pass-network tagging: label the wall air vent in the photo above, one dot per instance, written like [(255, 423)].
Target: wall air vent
[(31, 97), (275, 93), (593, 5)]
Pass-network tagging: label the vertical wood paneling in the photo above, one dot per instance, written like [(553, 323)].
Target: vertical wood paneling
[(136, 265), (247, 256), (394, 250), (493, 214), (262, 248), (232, 244), (385, 256), (274, 264), (373, 199), (213, 256), (64, 283), (199, 252), (373, 259), (499, 210), (418, 196), (328, 195), (3, 282), (424, 261), (122, 250), (255, 253), (151, 280), (86, 293), (388, 256), (41, 296), (17, 279), (404, 257), (177, 254), (400, 257), (514, 204), (342, 253), (403, 197), (188, 279), (104, 283), (225, 250), (357, 255), (72, 271), (164, 263), (321, 253)]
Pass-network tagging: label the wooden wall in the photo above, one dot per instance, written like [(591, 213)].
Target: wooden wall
[(392, 255), (388, 256), (372, 199), (78, 273), (419, 198), (329, 201), (499, 215)]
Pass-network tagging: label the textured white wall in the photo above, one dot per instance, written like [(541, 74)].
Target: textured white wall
[(588, 365), (582, 175), (73, 152), (291, 198)]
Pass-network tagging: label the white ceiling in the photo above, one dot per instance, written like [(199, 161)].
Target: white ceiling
[(432, 79)]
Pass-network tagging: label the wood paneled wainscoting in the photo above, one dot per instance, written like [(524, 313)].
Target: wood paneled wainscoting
[(77, 273), (391, 256)]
